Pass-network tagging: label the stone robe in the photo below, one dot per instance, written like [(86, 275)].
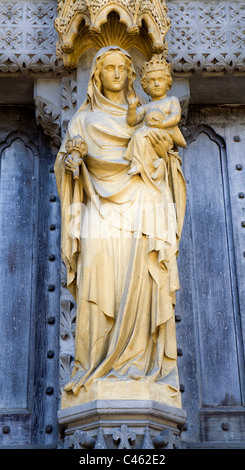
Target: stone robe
[(120, 239)]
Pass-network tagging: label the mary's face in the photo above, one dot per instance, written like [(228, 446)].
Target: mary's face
[(113, 73)]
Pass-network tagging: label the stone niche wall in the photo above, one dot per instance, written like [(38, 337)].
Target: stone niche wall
[(205, 46), (205, 36)]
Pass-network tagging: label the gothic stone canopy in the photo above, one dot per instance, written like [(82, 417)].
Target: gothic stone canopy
[(96, 23)]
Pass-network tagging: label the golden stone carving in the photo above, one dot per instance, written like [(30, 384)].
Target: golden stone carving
[(120, 235), (97, 23), (77, 148), (162, 113)]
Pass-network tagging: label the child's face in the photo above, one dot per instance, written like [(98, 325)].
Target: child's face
[(156, 84)]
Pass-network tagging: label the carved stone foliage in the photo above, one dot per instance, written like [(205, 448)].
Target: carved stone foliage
[(49, 119), (122, 424), (122, 438), (207, 36), (27, 36), (68, 100), (68, 93), (92, 23), (67, 330), (55, 106)]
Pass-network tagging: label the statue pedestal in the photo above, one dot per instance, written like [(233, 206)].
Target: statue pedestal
[(122, 424), (114, 389)]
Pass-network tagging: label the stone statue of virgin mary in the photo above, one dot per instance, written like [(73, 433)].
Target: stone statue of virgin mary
[(120, 240)]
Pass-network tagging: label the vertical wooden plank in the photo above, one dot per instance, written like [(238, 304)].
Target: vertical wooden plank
[(185, 313), (214, 303), (235, 139), (29, 376), (17, 247), (53, 308), (46, 385)]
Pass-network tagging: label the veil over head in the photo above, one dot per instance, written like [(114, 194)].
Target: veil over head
[(95, 99)]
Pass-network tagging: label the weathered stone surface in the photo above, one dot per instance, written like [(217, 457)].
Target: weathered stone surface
[(28, 39), (122, 424)]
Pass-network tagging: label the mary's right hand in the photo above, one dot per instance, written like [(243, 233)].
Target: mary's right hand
[(71, 163)]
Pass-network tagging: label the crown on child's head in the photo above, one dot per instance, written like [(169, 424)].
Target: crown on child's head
[(156, 63)]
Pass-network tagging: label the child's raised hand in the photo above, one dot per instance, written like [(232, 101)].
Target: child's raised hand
[(132, 98)]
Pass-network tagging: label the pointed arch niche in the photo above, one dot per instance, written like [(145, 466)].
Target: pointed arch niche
[(90, 24)]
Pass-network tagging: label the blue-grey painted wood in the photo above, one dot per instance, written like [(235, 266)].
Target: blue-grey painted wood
[(18, 211), (46, 377), (29, 379), (47, 306), (211, 365), (186, 331), (235, 143), (212, 283)]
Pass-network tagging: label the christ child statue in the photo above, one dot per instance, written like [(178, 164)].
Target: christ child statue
[(161, 112)]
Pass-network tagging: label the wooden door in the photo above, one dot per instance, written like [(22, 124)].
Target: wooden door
[(28, 339), (210, 303)]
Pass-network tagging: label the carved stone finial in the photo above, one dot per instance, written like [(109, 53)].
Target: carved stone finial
[(147, 441), (124, 437), (80, 440), (167, 440), (90, 23), (100, 441)]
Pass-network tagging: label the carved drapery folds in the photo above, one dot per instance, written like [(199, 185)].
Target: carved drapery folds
[(128, 23)]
